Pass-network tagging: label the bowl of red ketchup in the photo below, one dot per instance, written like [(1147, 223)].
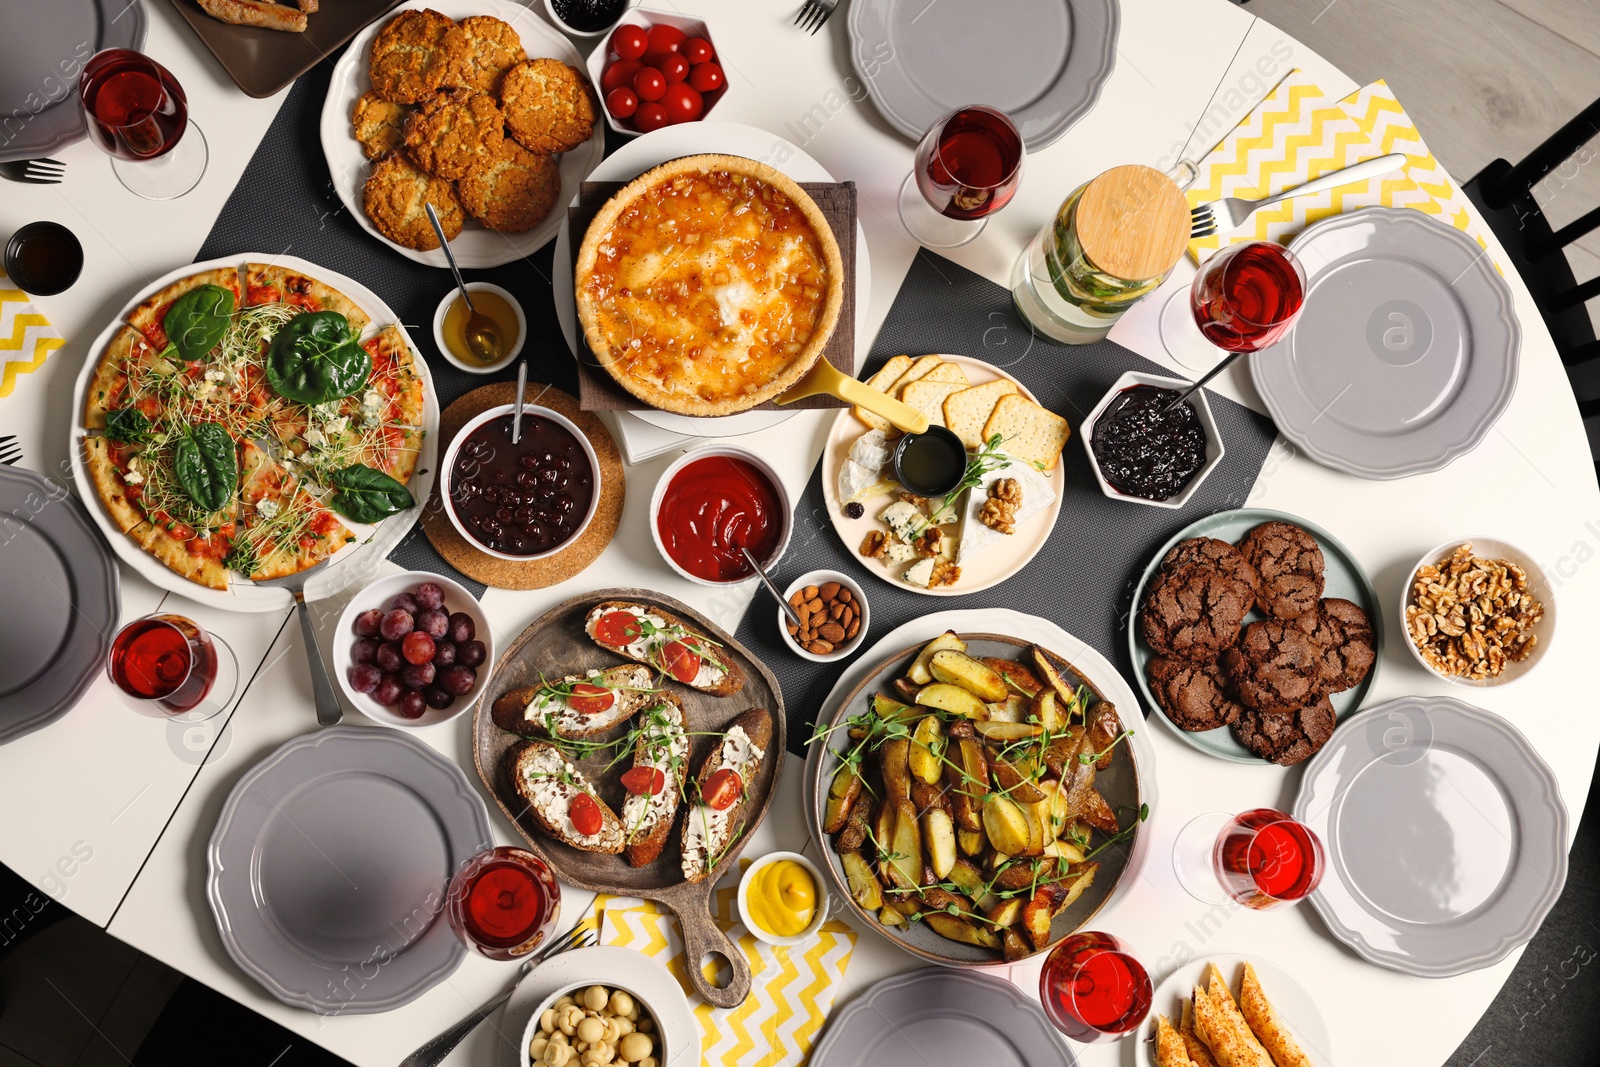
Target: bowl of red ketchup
[(713, 502)]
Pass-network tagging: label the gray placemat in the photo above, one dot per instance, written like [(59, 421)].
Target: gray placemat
[(1083, 577)]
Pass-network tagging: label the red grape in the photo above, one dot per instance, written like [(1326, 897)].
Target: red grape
[(707, 78), (444, 654), (674, 68), (650, 84), (461, 628), (388, 690), (622, 102), (364, 678), (430, 595), (697, 50), (433, 622), (458, 680), (417, 647), (388, 657), (396, 625), (404, 602), (417, 675), (437, 698), (682, 103), (630, 41), (650, 117), (471, 654), (411, 705), (364, 650), (368, 621)]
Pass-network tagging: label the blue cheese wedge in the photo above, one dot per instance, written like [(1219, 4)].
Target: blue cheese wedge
[(898, 552), (1036, 496), (919, 573), (904, 519)]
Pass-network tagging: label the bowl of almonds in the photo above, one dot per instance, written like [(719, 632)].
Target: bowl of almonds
[(1478, 612), (833, 616)]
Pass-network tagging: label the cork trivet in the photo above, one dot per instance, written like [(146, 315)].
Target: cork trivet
[(552, 570)]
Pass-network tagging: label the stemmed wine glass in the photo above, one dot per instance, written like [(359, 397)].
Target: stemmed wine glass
[(1245, 298), (137, 113), (503, 902), (1093, 989), (1260, 858), (968, 166), (173, 668)]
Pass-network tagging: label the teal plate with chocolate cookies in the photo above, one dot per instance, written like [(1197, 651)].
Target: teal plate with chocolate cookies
[(1343, 578)]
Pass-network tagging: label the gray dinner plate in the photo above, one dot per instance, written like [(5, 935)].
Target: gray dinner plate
[(329, 865), (40, 64), (938, 1016), (1405, 353), (1342, 577), (62, 590), (1445, 833), (1042, 62)]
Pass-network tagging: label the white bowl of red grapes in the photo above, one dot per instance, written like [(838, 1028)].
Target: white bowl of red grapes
[(657, 69), (413, 650)]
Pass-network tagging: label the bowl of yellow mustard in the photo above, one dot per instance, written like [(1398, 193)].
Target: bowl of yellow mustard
[(783, 899)]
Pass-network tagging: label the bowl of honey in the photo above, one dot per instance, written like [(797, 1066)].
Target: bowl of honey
[(450, 326)]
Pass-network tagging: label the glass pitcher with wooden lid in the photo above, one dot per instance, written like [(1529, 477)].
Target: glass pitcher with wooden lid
[(1114, 241)]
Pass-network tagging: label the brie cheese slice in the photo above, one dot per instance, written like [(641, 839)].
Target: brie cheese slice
[(1036, 496)]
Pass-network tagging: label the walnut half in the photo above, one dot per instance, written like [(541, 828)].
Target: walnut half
[(875, 545), (929, 543), (944, 573)]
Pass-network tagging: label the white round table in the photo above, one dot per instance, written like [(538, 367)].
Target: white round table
[(109, 812)]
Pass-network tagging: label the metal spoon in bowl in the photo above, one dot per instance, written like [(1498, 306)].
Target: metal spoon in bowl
[(483, 334), (516, 416), (788, 609)]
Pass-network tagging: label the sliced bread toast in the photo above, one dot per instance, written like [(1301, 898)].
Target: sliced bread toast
[(657, 638), (548, 785), (663, 746), (577, 706), (709, 832)]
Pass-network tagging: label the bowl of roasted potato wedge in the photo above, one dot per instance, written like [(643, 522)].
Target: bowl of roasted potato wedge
[(978, 798)]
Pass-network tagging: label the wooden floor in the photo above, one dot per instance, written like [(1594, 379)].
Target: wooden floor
[(1483, 80)]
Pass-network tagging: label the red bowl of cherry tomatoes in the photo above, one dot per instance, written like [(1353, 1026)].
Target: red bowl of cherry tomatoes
[(657, 69)]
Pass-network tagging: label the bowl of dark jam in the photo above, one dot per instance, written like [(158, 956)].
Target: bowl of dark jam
[(521, 501), (1145, 454)]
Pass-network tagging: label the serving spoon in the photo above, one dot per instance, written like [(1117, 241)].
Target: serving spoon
[(788, 608), (483, 334)]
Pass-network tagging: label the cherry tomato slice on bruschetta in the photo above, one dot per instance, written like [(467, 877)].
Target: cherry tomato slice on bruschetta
[(618, 628), (680, 661), (723, 789), (589, 699), (644, 781), (585, 815)]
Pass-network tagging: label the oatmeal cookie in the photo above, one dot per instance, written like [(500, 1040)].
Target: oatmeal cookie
[(1287, 737), (513, 191), (380, 125), (394, 197), (1289, 561), (455, 131), (1194, 695), (1193, 612), (549, 106), (487, 49), (1277, 667), (412, 55)]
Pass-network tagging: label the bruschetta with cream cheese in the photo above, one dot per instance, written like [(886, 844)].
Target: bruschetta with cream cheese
[(722, 788), (577, 706), (647, 634), (656, 781), (561, 800)]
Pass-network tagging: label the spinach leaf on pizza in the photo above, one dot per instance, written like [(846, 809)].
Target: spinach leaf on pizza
[(197, 320), (366, 495), (128, 425), (206, 465), (315, 358)]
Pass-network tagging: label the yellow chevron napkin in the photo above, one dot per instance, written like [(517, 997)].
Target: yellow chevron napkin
[(1300, 132), (26, 337), (791, 991)]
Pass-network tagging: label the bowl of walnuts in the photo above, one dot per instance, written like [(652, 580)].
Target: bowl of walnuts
[(1478, 612)]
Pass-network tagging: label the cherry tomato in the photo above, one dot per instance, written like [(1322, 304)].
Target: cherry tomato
[(664, 40), (619, 75), (673, 67), (629, 42), (591, 699), (650, 117), (677, 658), (644, 781), (650, 84), (707, 78), (697, 50), (622, 102), (585, 815), (618, 628), (722, 789), (682, 103)]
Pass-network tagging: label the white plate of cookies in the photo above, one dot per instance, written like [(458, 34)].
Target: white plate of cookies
[(480, 107)]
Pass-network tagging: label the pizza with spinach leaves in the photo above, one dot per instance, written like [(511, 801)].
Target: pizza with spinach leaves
[(240, 423)]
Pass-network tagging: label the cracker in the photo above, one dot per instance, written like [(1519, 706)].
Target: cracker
[(1029, 431), (916, 371), (928, 397), (967, 410), (881, 381)]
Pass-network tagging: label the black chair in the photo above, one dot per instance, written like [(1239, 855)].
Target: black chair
[(1504, 193)]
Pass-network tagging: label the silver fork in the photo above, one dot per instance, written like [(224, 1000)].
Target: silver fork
[(814, 13), (34, 171), (10, 451), (322, 694), (1231, 212), (434, 1052)]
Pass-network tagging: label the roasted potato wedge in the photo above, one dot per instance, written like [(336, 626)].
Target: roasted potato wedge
[(969, 783), (956, 928), (1018, 677), (939, 838), (1014, 947), (1036, 834), (1006, 732), (958, 668), (919, 672), (905, 689), (854, 834), (893, 710), (1005, 913), (925, 795), (1013, 709), (1104, 728), (937, 899), (1097, 813), (883, 824), (903, 867), (1036, 916), (971, 842), (842, 793), (891, 917), (952, 698), (1006, 825), (864, 887), (972, 882), (1046, 711), (1011, 780), (1057, 819), (1021, 874), (1064, 851), (1081, 878), (894, 761), (1052, 678), (927, 749)]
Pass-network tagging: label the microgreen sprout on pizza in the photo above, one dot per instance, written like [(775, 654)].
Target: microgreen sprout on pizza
[(241, 421)]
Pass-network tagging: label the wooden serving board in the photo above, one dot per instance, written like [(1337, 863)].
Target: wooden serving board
[(556, 645)]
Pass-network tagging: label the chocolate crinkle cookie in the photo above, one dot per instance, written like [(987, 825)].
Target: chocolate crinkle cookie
[(1344, 633), (1286, 737), (1277, 667), (1290, 563), (1193, 612), (1211, 552), (1193, 695)]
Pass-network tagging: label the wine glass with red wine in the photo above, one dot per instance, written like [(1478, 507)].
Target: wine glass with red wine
[(503, 903), (173, 668), (1245, 298), (1093, 989), (968, 166), (1260, 858), (137, 113)]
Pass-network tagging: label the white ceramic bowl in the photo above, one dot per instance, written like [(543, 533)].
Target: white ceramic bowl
[(820, 916), (448, 465), (532, 1030), (1538, 585), (377, 595), (479, 368), (1214, 449), (550, 9), (600, 58), (785, 506), (821, 578)]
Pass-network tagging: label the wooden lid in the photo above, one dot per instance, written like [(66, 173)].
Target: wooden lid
[(1133, 222)]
